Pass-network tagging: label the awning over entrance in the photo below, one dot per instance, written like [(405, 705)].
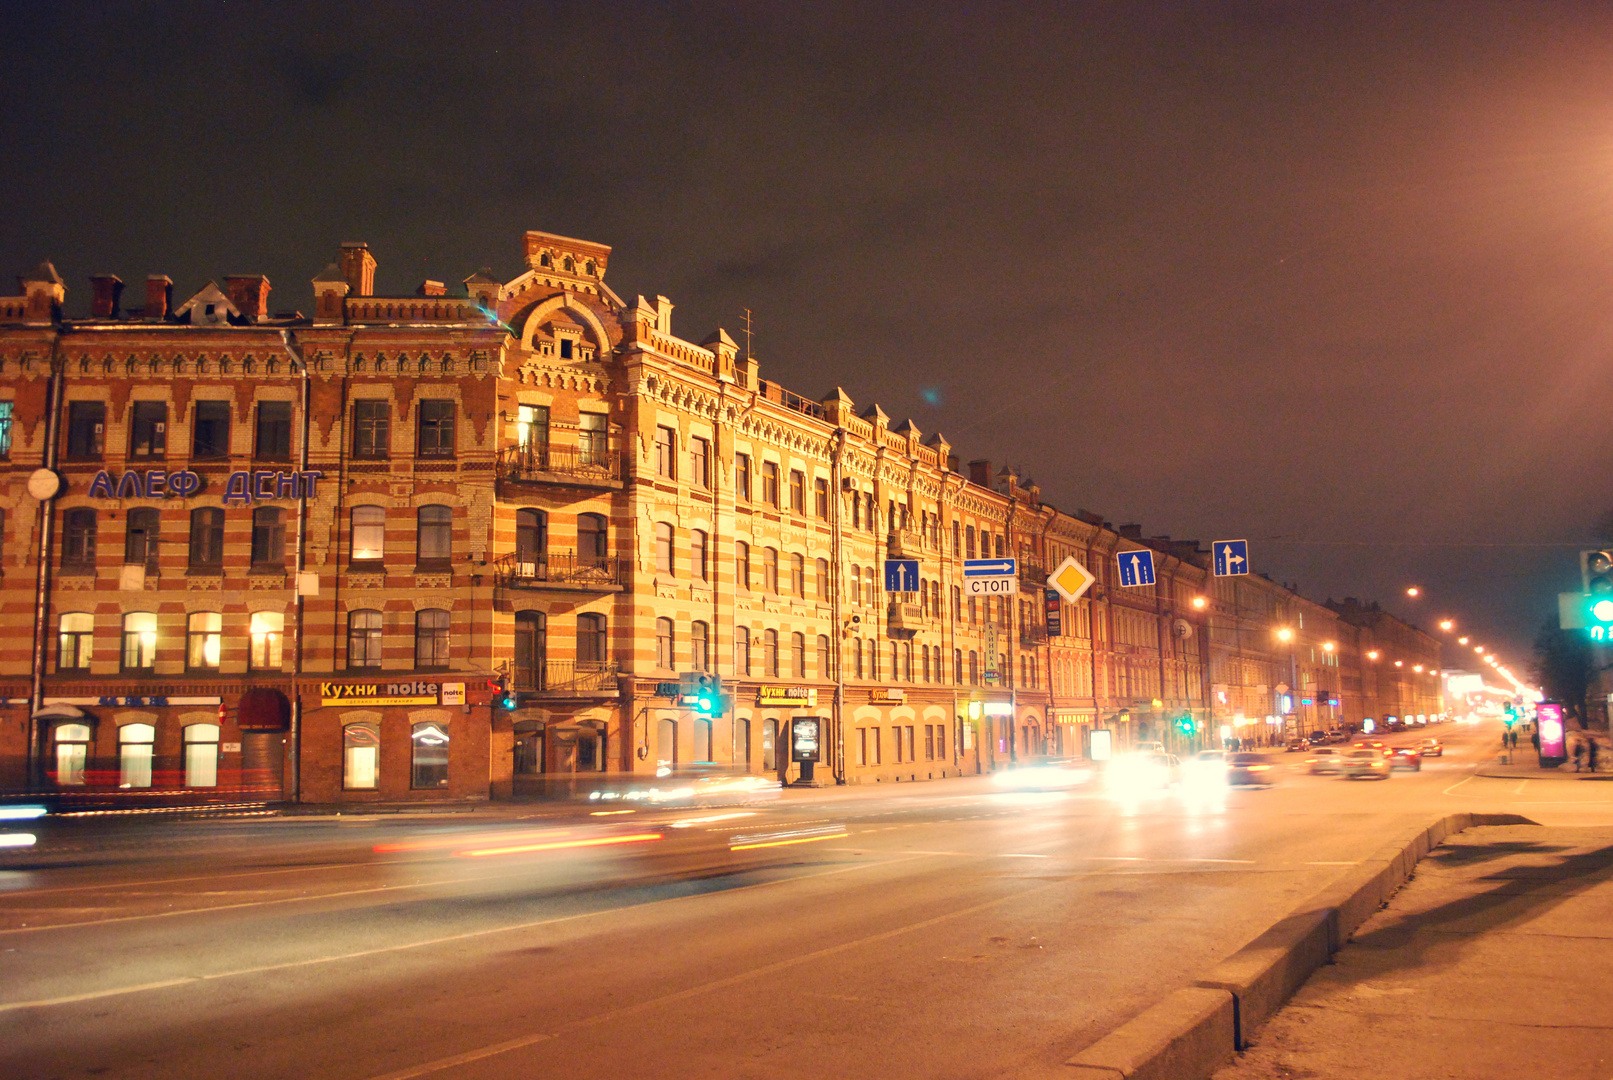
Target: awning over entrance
[(264, 708)]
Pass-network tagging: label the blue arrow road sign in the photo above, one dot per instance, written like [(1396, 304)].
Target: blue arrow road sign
[(1136, 567), (901, 575), (989, 567), (1231, 557)]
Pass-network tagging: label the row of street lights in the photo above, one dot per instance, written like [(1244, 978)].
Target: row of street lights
[(1483, 652)]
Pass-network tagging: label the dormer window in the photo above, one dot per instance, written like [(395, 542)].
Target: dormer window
[(565, 348), (545, 261), (209, 311)]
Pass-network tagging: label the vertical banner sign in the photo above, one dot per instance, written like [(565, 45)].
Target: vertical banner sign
[(1055, 614), (991, 652), (1549, 725)]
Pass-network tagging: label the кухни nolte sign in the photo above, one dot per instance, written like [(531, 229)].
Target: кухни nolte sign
[(394, 693)]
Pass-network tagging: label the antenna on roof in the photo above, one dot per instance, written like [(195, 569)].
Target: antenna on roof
[(747, 334)]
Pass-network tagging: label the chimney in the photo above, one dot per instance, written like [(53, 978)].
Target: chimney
[(431, 288), (159, 296), (1132, 532), (663, 315), (358, 268), (108, 288), (250, 295), (980, 472)]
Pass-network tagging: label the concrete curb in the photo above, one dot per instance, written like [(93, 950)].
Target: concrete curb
[(1193, 1032)]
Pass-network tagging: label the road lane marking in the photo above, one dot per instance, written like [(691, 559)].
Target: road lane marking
[(1521, 785), (597, 1019), (94, 995)]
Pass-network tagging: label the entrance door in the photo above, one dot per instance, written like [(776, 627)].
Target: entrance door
[(666, 744), (262, 761)]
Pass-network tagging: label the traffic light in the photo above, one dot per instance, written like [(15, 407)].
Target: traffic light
[(503, 696), (1596, 574), (1185, 725), (703, 691)]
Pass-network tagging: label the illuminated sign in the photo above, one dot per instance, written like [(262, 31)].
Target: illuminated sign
[(149, 484), (245, 488), (1549, 722), (398, 693), (886, 696), (787, 695), (804, 739)]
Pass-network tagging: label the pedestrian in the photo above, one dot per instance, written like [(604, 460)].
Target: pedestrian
[(1534, 737), (1579, 754), (1590, 756)]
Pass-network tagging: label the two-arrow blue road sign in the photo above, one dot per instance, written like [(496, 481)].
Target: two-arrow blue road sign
[(1231, 557), (1136, 567), (989, 577), (901, 575)]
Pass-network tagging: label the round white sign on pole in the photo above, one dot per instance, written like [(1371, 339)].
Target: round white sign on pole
[(43, 484)]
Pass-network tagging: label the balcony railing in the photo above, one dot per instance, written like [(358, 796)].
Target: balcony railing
[(1032, 576), (905, 619), (560, 570), (537, 464), (566, 677), (1033, 635)]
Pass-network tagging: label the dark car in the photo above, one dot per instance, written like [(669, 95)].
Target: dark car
[(1251, 769), (1431, 748), (1317, 738), (1406, 757)]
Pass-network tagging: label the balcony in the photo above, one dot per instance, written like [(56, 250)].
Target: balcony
[(560, 571), (568, 466), (1033, 635), (567, 678), (1032, 576), (905, 620), (905, 544)]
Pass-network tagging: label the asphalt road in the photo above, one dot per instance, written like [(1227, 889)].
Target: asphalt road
[(930, 930)]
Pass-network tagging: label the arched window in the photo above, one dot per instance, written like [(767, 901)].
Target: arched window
[(531, 649), (663, 548), (798, 576), (269, 537), (742, 565), (434, 536), (78, 540), (369, 533), (770, 569), (140, 538), (431, 638), (699, 646), (896, 666), (134, 755), (871, 587), (139, 641), (76, 643), (592, 539), (428, 766), (741, 650), (825, 664), (823, 579), (590, 638), (665, 658), (364, 639), (770, 653), (798, 655), (72, 753), (531, 535), (201, 755), (361, 757), (268, 629), (856, 584), (857, 652), (203, 636), (699, 561), (207, 538)]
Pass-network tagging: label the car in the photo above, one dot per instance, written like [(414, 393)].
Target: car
[(1296, 744), (1369, 744), (1431, 748), (1316, 738), (1324, 760), (1143, 770), (1337, 736), (1251, 769), (1406, 757), (1359, 761), (1044, 774)]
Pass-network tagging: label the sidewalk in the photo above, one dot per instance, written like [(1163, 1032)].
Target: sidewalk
[(1494, 961)]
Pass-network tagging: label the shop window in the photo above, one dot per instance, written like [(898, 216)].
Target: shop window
[(434, 536), (363, 639), (76, 641), (148, 429), (140, 538), (5, 429), (592, 439), (203, 637), (591, 638), (798, 655), (72, 753), (742, 476), (742, 565), (268, 538), (207, 539), (431, 639), (361, 757), (78, 540), (666, 452), (134, 755), (663, 549), (272, 440), (266, 631), (699, 555), (665, 658), (798, 576), (210, 431), (769, 745), (797, 491), (770, 493), (770, 569), (741, 650), (825, 667), (700, 646), (86, 430), (532, 428), (369, 533), (770, 653), (435, 438), (700, 462), (372, 429), (201, 755), (529, 752), (429, 763), (593, 541), (702, 740), (531, 649), (139, 641)]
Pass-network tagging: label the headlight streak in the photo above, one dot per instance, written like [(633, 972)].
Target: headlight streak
[(685, 823), (752, 844), (17, 839), (603, 841), (21, 813)]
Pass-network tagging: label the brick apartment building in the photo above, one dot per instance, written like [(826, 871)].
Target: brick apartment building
[(259, 556)]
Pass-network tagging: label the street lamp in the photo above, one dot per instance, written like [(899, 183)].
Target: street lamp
[(1414, 591), (1285, 634), (1372, 654), (1200, 602), (1461, 641), (1446, 624)]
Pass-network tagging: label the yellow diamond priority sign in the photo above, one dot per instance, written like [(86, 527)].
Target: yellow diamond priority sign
[(1071, 579)]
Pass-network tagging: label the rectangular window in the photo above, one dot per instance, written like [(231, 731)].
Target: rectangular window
[(797, 491), (666, 452), (911, 746), (206, 538), (700, 462), (770, 483), (5, 429), (436, 437), (86, 430), (269, 537), (372, 429), (148, 429), (77, 642), (592, 442), (820, 490), (532, 427), (210, 431), (273, 442), (742, 476)]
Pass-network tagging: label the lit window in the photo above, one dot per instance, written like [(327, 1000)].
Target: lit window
[(134, 755), (202, 639), (267, 629), (77, 642), (361, 756), (429, 764), (201, 755), (139, 641), (72, 753), (5, 429), (369, 533)]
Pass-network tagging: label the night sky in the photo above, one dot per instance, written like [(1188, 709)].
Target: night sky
[(1334, 277)]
